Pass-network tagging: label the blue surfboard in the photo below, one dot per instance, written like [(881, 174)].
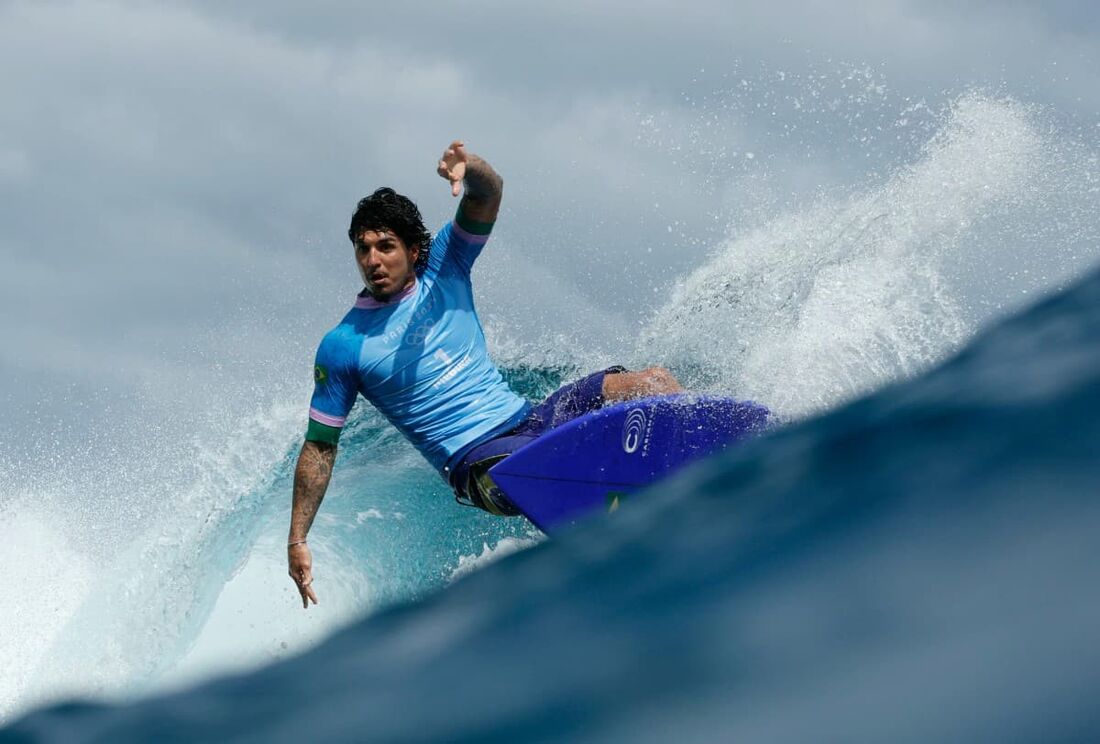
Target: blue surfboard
[(589, 464)]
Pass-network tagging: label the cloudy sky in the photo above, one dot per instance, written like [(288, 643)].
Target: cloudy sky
[(176, 178)]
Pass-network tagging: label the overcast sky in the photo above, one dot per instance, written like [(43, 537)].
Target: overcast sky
[(176, 178)]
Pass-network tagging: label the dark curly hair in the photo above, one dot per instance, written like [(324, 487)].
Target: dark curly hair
[(386, 208)]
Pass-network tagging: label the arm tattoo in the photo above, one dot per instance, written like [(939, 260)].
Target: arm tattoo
[(311, 477), (484, 189), (482, 182)]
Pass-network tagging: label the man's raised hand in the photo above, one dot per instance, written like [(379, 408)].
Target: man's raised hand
[(452, 165)]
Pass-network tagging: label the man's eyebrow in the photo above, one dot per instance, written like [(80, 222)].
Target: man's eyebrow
[(386, 238)]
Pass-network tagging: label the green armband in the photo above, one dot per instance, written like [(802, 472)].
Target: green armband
[(318, 432), (472, 226)]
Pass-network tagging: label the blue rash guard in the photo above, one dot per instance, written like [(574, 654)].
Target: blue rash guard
[(420, 359)]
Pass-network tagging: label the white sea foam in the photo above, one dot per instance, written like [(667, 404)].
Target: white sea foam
[(468, 564), (258, 617), (153, 594), (372, 513), (48, 579), (814, 308)]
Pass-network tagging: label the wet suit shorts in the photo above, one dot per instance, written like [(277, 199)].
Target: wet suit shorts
[(470, 479)]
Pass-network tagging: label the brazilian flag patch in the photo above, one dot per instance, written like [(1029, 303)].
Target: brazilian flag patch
[(320, 374)]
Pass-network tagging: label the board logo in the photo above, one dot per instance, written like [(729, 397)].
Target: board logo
[(633, 428)]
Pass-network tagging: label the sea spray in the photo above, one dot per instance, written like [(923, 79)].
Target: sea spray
[(468, 564), (49, 579), (149, 599), (816, 307)]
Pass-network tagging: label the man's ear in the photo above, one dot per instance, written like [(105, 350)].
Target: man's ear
[(414, 253)]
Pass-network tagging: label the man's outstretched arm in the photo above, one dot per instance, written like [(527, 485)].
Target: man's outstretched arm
[(311, 478), (484, 186)]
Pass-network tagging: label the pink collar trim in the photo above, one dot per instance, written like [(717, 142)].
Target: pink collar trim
[(366, 302)]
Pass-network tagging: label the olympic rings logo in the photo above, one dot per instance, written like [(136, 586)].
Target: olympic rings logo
[(420, 334)]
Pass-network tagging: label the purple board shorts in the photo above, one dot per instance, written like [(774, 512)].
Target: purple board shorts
[(470, 479)]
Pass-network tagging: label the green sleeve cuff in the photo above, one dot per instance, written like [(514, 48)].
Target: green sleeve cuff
[(318, 432), (472, 226)]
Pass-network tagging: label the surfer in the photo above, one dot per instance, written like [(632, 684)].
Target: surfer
[(413, 346)]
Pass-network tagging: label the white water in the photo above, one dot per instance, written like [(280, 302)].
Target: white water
[(468, 564), (50, 580), (127, 607), (814, 308)]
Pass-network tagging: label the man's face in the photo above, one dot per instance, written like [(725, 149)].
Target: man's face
[(385, 262)]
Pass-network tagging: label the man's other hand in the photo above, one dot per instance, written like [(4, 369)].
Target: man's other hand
[(300, 561), (452, 165)]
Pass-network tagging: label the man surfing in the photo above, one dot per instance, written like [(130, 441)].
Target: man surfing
[(413, 346)]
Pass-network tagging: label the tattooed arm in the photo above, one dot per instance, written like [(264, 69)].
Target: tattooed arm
[(311, 477), (484, 186)]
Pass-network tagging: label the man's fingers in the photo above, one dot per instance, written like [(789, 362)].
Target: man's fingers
[(458, 174), (453, 172), (303, 578), (305, 588), (452, 165), (454, 154)]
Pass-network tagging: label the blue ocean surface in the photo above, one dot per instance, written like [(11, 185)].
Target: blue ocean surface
[(919, 564)]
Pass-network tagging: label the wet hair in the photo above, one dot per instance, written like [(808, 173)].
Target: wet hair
[(386, 208)]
